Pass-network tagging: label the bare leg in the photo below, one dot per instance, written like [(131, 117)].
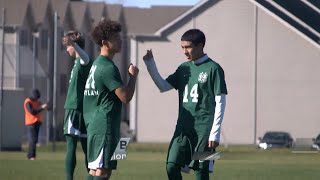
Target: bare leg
[(103, 172), (92, 172)]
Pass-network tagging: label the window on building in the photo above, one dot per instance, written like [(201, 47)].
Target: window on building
[(23, 37)]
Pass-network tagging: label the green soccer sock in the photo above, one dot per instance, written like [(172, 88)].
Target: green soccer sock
[(70, 161), (202, 174), (83, 142), (89, 177), (174, 171)]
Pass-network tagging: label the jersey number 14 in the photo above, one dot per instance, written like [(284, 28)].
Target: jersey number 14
[(193, 93)]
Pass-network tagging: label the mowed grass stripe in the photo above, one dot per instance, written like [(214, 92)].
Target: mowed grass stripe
[(147, 162)]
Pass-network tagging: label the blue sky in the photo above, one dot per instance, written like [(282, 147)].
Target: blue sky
[(148, 3)]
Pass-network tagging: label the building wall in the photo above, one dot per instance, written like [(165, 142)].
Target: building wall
[(230, 42), (12, 124), (288, 80), (286, 72)]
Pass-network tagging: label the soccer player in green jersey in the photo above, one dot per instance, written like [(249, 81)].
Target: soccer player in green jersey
[(202, 89), (74, 127), (103, 97)]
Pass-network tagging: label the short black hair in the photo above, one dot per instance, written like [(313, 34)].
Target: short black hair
[(195, 36), (35, 94)]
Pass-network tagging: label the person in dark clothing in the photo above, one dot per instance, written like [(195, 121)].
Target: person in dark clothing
[(33, 111)]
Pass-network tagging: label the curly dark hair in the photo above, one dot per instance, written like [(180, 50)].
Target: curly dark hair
[(105, 30), (75, 36)]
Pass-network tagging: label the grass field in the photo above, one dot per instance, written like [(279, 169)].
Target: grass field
[(147, 162)]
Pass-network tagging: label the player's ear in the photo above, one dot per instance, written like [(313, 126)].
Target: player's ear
[(104, 42), (201, 44)]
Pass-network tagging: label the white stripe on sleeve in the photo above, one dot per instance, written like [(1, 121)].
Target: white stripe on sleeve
[(218, 117)]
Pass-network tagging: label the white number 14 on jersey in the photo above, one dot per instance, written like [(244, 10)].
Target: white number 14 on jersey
[(193, 93)]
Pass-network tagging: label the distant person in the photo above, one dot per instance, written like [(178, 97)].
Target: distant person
[(202, 89), (74, 128), (103, 98), (33, 110)]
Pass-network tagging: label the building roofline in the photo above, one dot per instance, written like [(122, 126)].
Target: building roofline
[(288, 25), (159, 33), (181, 17)]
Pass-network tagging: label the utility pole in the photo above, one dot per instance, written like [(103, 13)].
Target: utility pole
[(2, 73), (255, 116), (34, 63), (54, 100), (49, 89)]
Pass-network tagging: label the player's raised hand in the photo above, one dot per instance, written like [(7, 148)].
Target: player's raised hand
[(148, 55), (133, 70), (69, 40)]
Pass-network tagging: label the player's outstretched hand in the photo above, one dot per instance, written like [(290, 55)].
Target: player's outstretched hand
[(133, 70), (148, 55)]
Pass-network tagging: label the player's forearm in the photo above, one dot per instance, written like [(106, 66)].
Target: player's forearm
[(218, 117), (84, 58), (162, 84), (125, 94)]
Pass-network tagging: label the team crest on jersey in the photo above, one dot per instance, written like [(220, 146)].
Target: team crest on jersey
[(203, 76)]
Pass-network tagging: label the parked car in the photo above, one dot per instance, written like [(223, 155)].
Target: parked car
[(316, 143), (275, 139)]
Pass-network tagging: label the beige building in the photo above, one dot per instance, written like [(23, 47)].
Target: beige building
[(268, 49), (270, 67)]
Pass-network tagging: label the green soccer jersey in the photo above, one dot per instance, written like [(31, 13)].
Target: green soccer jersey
[(102, 107), (77, 82), (197, 85)]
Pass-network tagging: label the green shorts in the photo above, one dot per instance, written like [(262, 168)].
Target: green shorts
[(100, 151), (74, 123), (182, 147)]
